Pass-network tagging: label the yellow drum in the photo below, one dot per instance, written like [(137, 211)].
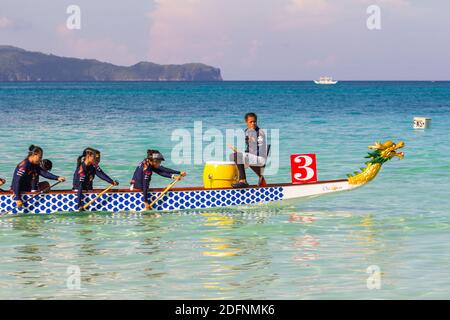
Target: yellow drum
[(219, 174)]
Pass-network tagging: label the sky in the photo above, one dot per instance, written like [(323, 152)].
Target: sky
[(246, 39)]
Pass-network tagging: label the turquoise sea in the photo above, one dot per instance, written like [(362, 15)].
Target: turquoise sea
[(324, 248)]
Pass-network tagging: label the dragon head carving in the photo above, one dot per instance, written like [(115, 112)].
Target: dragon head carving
[(381, 153), (385, 151)]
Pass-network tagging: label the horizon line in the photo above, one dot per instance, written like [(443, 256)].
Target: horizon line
[(229, 80)]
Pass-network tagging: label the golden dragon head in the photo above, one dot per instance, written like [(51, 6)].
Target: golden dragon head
[(381, 153), (386, 150)]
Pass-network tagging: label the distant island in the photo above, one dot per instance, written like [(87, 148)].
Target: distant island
[(17, 64)]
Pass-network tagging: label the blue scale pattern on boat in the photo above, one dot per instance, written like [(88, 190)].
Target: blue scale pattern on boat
[(133, 201)]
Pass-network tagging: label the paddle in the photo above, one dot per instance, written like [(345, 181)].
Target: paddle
[(232, 148), (164, 192), (36, 195), (98, 196)]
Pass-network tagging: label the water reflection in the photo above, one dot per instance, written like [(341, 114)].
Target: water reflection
[(222, 247), (237, 255), (295, 217), (29, 230), (218, 249), (152, 246), (215, 254), (25, 252), (305, 246), (364, 232)]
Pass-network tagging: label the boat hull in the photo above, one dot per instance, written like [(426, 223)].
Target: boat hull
[(177, 199), (328, 82)]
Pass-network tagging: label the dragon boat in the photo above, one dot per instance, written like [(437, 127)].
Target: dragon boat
[(215, 193)]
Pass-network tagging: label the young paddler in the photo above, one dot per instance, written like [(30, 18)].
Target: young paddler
[(2, 182), (46, 165), (27, 171), (143, 173), (87, 168)]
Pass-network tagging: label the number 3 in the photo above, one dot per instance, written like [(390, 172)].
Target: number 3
[(309, 171)]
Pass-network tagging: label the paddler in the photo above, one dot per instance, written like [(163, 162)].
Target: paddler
[(87, 168), (46, 165), (143, 173), (2, 182), (27, 171), (255, 154)]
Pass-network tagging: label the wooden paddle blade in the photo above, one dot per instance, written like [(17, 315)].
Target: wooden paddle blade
[(164, 192), (98, 196)]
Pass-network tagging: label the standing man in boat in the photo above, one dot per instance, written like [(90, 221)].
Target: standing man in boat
[(87, 168), (27, 171), (143, 173), (255, 154)]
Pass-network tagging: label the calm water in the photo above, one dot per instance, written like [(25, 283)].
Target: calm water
[(316, 249)]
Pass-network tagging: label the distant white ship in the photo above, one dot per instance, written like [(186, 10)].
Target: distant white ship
[(325, 80)]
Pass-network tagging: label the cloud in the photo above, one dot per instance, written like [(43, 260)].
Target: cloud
[(390, 3), (295, 14), (262, 39), (327, 61), (187, 30), (102, 49), (14, 24), (6, 23), (304, 13), (216, 32), (212, 30)]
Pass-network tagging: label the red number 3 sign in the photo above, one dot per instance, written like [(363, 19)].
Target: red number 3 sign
[(303, 168)]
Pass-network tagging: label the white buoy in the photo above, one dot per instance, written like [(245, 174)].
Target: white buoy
[(421, 123)]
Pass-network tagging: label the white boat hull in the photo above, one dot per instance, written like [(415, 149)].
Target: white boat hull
[(328, 82)]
